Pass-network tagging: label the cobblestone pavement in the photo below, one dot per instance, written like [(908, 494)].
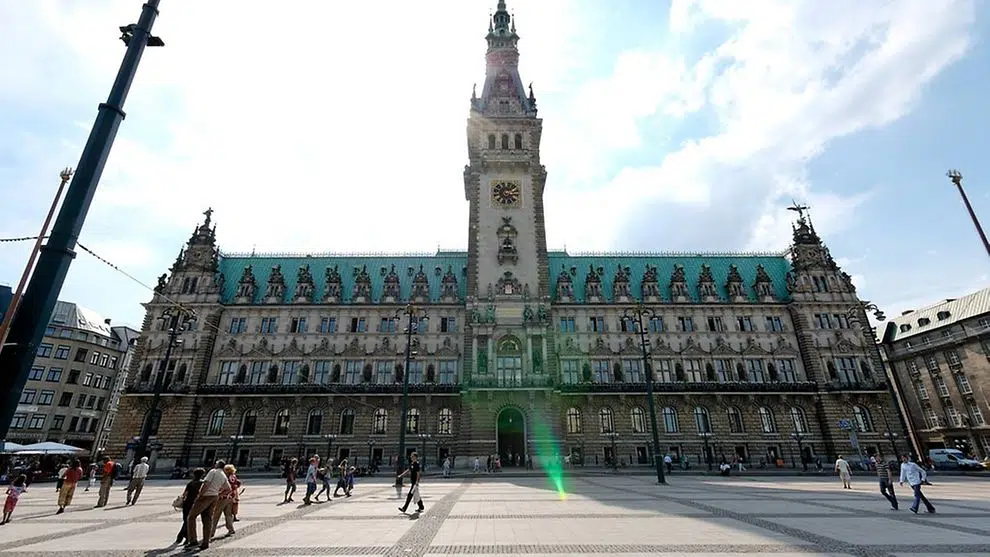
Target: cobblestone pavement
[(626, 516)]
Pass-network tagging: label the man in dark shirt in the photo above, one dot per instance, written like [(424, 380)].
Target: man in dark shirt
[(414, 472)]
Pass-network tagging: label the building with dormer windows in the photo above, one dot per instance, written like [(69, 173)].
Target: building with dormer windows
[(525, 350)]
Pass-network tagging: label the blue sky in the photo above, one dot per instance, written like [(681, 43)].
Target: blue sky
[(687, 125)]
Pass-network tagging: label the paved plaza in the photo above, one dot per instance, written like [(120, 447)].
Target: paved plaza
[(530, 516)]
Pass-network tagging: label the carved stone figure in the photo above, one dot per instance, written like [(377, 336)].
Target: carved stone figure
[(247, 286), (391, 285), (475, 316), (527, 314), (490, 314), (362, 284), (508, 284), (542, 314), (333, 283), (160, 287), (276, 283), (482, 362), (421, 285), (565, 286), (537, 360)]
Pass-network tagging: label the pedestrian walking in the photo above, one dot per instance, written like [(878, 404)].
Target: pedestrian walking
[(73, 473), (14, 491), (477, 465), (290, 479), (414, 476), (61, 475), (136, 484), (188, 498), (915, 476), (214, 482), (237, 488), (225, 503), (310, 481), (92, 476), (446, 467), (323, 476), (342, 479), (106, 481), (885, 474), (844, 472)]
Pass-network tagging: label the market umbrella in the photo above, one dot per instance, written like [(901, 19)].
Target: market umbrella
[(48, 447)]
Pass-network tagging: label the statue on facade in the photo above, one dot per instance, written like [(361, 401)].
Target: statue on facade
[(527, 314), (161, 283), (542, 314), (490, 314), (537, 360), (482, 362)]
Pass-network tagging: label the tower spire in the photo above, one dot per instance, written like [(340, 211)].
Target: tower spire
[(503, 93)]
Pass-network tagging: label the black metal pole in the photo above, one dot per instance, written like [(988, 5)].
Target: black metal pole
[(28, 326), (708, 456), (657, 458), (956, 178), (173, 334), (400, 465), (890, 433)]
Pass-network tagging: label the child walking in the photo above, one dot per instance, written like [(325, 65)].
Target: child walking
[(14, 491)]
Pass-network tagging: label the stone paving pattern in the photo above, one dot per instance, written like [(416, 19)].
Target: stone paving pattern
[(493, 515)]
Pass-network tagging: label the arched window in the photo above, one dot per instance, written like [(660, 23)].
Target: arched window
[(605, 420), (864, 422), (702, 420), (215, 426), (314, 422), (573, 421), (249, 421), (799, 420), (638, 420), (445, 423), (518, 141), (505, 141), (155, 419), (491, 141), (767, 421), (412, 421), (380, 424), (346, 422), (670, 420), (281, 422), (736, 424)]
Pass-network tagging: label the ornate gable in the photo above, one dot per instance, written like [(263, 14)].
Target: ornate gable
[(763, 285), (292, 350), (631, 348), (391, 291), (706, 285), (384, 349), (734, 285), (334, 285), (621, 291), (304, 285), (275, 292), (447, 349), (448, 285), (785, 348), (565, 286), (247, 287), (421, 287), (650, 285), (230, 349), (661, 348), (845, 345), (261, 350), (361, 293), (600, 348), (354, 349), (593, 285), (678, 285), (753, 348), (322, 350), (722, 348), (570, 348), (691, 348)]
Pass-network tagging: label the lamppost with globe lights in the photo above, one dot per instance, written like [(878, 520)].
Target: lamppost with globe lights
[(424, 439), (635, 316), (798, 437), (414, 316), (177, 320), (330, 437), (706, 436), (956, 177), (235, 440), (612, 435)]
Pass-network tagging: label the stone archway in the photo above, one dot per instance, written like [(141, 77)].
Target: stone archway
[(510, 428)]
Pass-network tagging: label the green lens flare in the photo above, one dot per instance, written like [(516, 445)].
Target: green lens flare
[(549, 455)]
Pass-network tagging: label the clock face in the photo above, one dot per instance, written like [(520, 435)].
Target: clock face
[(506, 193)]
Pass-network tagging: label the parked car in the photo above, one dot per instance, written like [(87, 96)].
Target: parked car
[(953, 459)]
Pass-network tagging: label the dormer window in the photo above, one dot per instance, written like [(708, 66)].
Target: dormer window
[(943, 315), (905, 328), (924, 321)]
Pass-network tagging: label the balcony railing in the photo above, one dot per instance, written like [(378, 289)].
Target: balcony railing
[(148, 387), (525, 382), (694, 387), (336, 388), (856, 386)]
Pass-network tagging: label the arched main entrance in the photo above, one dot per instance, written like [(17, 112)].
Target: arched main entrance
[(511, 436)]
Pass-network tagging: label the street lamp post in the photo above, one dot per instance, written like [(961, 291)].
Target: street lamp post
[(28, 325), (234, 441), (178, 320), (706, 436), (635, 315), (956, 178), (799, 438), (858, 314), (371, 446), (330, 437), (424, 439), (615, 460), (888, 433), (414, 315)]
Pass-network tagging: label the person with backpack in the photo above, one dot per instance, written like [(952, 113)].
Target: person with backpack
[(110, 471)]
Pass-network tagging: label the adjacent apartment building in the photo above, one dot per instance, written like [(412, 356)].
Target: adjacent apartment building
[(72, 391), (940, 358)]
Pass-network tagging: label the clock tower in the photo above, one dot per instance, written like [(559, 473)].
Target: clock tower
[(507, 252)]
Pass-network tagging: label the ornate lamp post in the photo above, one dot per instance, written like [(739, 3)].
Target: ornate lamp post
[(330, 437), (956, 178), (798, 437), (424, 439), (371, 446), (706, 436), (178, 320), (635, 315), (615, 461), (414, 315), (234, 441)]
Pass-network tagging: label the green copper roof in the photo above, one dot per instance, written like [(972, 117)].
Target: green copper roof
[(578, 266), (406, 267)]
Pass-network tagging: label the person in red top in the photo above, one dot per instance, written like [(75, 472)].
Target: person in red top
[(69, 480), (106, 482)]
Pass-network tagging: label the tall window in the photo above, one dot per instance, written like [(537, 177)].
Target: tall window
[(754, 369), (258, 372), (383, 372), (602, 373), (380, 424), (723, 370), (321, 372), (570, 371), (445, 422), (415, 372), (786, 372), (633, 371), (448, 372), (735, 420), (281, 423), (864, 422), (694, 371), (664, 371), (638, 420), (670, 419), (314, 422), (767, 421), (605, 420), (846, 370), (352, 372), (290, 372), (573, 421), (346, 422), (975, 414), (215, 426), (412, 421), (249, 421), (702, 420), (798, 420)]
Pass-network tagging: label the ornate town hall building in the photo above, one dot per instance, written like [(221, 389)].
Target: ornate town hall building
[(524, 350)]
